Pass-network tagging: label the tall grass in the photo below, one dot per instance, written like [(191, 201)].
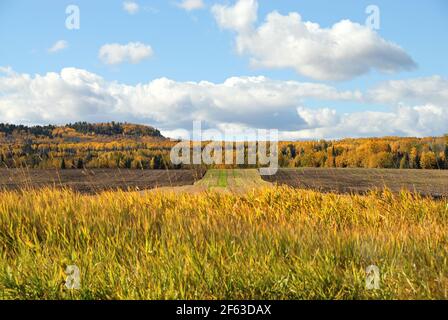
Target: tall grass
[(276, 243)]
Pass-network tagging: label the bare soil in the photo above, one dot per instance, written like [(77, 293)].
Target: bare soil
[(96, 180), (432, 183)]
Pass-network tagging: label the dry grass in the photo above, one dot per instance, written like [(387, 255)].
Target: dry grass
[(232, 180), (274, 243)]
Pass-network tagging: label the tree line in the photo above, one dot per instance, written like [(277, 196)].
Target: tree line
[(388, 152), (122, 145)]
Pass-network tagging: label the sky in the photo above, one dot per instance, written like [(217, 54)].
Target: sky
[(311, 69)]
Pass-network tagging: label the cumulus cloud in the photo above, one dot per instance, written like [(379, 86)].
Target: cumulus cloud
[(420, 90), (341, 52), (319, 118), (133, 52), (53, 97), (131, 7), (239, 17), (58, 46), (191, 5), (75, 94), (237, 103), (420, 121)]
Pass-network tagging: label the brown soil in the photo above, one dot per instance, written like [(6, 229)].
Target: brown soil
[(426, 182), (96, 180)]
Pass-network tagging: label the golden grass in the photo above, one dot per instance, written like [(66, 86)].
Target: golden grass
[(274, 243)]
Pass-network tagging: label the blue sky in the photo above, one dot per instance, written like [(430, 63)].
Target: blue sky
[(193, 46)]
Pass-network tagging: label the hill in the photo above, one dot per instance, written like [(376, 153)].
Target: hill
[(81, 128)]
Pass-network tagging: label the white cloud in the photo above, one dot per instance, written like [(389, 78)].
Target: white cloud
[(420, 90), (319, 118), (133, 52), (237, 103), (341, 52), (420, 121), (7, 70), (75, 94), (131, 7), (58, 46), (191, 5), (180, 134), (239, 17)]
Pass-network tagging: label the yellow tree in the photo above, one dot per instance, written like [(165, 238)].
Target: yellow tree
[(413, 158), (428, 160)]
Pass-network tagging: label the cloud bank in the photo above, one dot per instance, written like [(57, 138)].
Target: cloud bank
[(342, 52), (415, 121), (238, 102)]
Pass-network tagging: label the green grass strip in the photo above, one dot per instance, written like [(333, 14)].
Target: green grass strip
[(222, 180)]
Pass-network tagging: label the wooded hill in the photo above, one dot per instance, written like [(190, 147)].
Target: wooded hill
[(123, 145), (81, 128)]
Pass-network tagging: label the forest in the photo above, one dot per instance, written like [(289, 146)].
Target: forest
[(122, 145)]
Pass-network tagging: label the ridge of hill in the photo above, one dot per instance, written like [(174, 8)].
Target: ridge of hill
[(82, 128)]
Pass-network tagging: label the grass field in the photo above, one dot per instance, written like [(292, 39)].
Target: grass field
[(273, 243), (232, 180), (426, 182), (230, 236)]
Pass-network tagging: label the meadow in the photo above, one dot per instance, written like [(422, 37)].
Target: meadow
[(268, 243)]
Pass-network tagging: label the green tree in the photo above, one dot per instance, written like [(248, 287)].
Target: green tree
[(79, 164)]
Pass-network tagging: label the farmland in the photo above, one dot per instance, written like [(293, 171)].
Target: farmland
[(236, 180), (350, 180), (269, 243), (353, 180), (229, 235), (96, 180)]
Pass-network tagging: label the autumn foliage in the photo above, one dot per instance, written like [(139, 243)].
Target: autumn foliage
[(123, 145)]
